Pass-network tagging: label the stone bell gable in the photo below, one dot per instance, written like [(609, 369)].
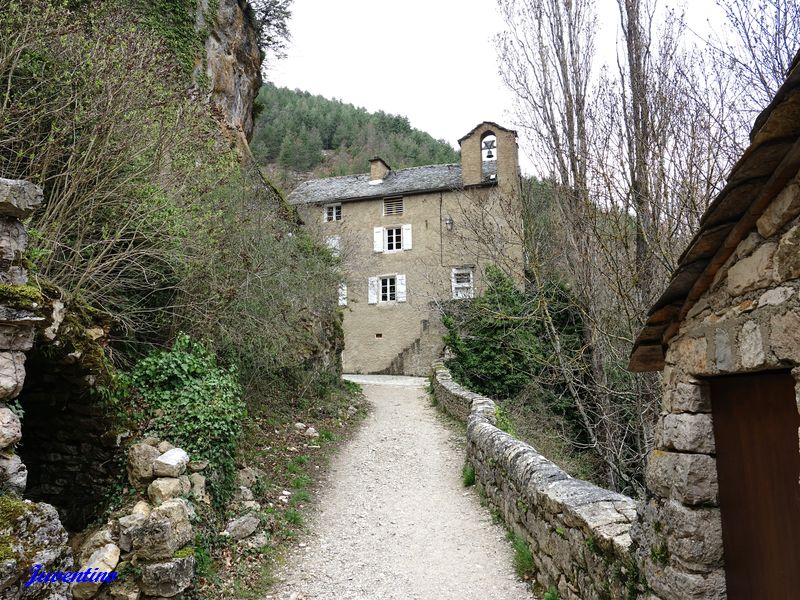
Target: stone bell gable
[(722, 515)]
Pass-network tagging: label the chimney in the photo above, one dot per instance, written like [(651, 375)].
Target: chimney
[(378, 169)]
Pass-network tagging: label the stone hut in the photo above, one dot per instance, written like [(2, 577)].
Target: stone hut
[(722, 515)]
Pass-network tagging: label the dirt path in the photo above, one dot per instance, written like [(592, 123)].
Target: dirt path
[(396, 521)]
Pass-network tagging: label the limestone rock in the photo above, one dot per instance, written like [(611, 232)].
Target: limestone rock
[(12, 374), (98, 539), (300, 426), (151, 441), (123, 590), (37, 537), (247, 476), (687, 397), (688, 478), (243, 526), (775, 296), (140, 463), (722, 350), (10, 427), (787, 257), (127, 525), (243, 494), (752, 272), (199, 488), (141, 508), (751, 345), (13, 474), (166, 530), (780, 211), (19, 198), (687, 433), (196, 466), (171, 464), (164, 447), (311, 432), (167, 578), (164, 488), (103, 559), (785, 336), (17, 334)]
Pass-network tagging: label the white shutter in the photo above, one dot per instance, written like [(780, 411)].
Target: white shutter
[(407, 236), (377, 239), (453, 282), (342, 294), (401, 288), (372, 290)]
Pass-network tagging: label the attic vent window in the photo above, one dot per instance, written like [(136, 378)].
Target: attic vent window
[(392, 206)]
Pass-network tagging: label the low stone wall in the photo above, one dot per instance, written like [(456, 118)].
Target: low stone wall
[(578, 532)]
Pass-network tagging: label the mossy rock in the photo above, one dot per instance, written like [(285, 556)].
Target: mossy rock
[(11, 509), (26, 297)]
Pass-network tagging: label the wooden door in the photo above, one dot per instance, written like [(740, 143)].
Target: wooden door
[(756, 424)]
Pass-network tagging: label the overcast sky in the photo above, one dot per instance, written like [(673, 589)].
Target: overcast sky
[(432, 61)]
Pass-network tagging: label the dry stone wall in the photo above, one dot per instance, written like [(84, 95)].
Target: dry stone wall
[(578, 532)]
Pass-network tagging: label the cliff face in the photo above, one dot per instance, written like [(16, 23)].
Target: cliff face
[(233, 63)]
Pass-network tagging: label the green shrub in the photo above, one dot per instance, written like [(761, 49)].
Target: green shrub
[(523, 557), (551, 594), (189, 400)]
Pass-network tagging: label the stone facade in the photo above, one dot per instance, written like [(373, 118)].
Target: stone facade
[(747, 321), (454, 222), (578, 533)]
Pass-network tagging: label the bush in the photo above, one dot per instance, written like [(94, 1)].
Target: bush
[(185, 397)]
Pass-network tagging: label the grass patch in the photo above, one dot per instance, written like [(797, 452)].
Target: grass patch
[(551, 594), (299, 497), (301, 482), (327, 436), (523, 557), (293, 517), (468, 475)]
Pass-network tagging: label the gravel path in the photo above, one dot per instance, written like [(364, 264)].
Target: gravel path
[(395, 521)]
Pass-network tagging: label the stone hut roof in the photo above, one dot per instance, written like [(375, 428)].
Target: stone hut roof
[(767, 165), (415, 180)]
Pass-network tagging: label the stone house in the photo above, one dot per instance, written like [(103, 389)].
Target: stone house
[(722, 516), (413, 238)]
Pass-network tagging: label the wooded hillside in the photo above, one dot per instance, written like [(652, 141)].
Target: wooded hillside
[(298, 131)]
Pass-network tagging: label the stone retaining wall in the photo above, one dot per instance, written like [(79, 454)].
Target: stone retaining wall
[(578, 532)]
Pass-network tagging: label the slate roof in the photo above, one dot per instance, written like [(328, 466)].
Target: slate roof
[(415, 180), (764, 169)]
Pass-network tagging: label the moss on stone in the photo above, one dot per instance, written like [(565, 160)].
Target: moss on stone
[(11, 509), (20, 296), (6, 549), (184, 552)]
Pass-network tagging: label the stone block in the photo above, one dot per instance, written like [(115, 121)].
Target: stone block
[(164, 488), (687, 397), (98, 539), (168, 578), (694, 535), (781, 210), (688, 478), (13, 474), (16, 336), (670, 583), (140, 463), (785, 336), (165, 530), (171, 464), (10, 427), (688, 433), (752, 272), (751, 345), (127, 525), (12, 374), (103, 559), (775, 296), (690, 353), (13, 240), (199, 488), (787, 257), (19, 198), (722, 350)]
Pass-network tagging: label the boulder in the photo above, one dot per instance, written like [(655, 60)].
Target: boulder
[(243, 494), (171, 464), (103, 559), (247, 477), (164, 488), (13, 474), (165, 447), (165, 530), (196, 466), (127, 525), (10, 427), (311, 433), (141, 508), (124, 590), (19, 198), (12, 374), (243, 526), (140, 463), (168, 578)]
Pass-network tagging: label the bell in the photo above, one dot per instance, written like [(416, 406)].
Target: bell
[(489, 154)]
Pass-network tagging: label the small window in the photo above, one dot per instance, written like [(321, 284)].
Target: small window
[(392, 206), (333, 212), (394, 238), (462, 283), (388, 289)]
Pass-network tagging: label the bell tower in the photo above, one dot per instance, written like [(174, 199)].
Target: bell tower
[(489, 154)]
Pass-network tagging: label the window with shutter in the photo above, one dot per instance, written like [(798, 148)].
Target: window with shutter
[(394, 238), (462, 283), (388, 288), (392, 206)]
